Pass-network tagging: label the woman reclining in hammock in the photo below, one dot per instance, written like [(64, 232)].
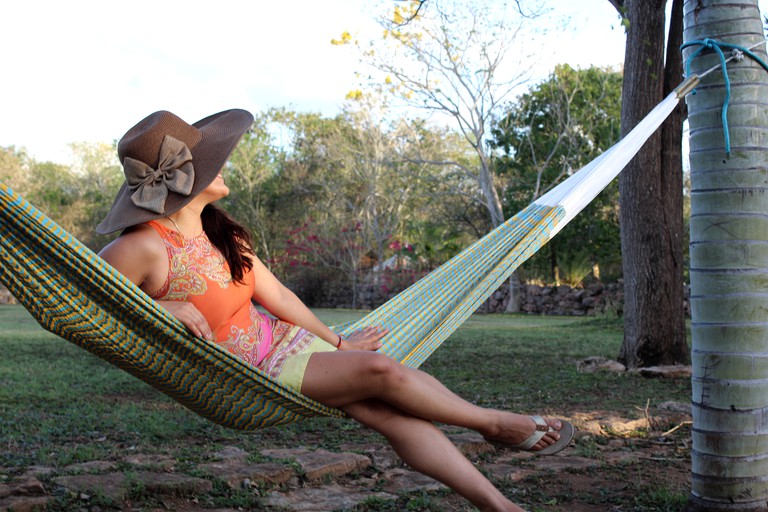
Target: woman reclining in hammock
[(197, 262)]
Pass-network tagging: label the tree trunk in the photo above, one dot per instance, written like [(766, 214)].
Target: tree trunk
[(515, 295), (729, 251), (676, 349), (650, 197)]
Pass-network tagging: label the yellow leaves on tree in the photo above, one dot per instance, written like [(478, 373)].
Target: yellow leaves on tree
[(355, 95), (397, 16), (401, 16), (345, 38)]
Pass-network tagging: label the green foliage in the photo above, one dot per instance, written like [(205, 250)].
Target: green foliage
[(549, 133), (436, 243), (14, 167), (253, 177), (385, 176), (99, 176), (77, 198), (574, 267), (327, 197)]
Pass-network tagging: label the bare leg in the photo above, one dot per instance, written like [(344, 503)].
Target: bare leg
[(339, 379), (426, 449)]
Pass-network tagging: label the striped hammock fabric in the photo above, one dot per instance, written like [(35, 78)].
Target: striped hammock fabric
[(73, 293), (423, 316)]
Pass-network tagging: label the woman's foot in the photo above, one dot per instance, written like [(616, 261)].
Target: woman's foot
[(531, 433)]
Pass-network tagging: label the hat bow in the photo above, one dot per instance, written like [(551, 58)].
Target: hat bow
[(174, 172)]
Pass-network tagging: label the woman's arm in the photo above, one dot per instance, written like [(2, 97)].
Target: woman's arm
[(285, 305)]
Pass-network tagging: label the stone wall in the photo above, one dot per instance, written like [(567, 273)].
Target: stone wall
[(535, 300), (594, 299)]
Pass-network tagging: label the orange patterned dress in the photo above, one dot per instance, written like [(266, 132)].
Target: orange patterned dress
[(199, 273)]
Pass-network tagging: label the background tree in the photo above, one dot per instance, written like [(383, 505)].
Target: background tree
[(378, 190), (76, 197), (252, 175), (449, 58), (295, 195), (446, 216), (650, 191), (14, 168), (54, 190), (98, 173), (551, 131), (344, 190), (405, 172), (357, 214), (729, 248)]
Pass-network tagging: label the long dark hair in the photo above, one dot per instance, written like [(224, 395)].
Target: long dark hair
[(232, 239)]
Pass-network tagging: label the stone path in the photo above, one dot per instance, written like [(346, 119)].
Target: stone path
[(297, 479)]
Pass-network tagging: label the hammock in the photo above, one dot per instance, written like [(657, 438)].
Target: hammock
[(73, 293)]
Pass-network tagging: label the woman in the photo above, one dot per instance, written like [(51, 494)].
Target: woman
[(198, 263)]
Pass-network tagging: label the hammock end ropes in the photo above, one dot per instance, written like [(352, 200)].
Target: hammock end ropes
[(737, 53)]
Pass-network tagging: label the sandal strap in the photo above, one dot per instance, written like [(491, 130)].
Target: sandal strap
[(542, 428)]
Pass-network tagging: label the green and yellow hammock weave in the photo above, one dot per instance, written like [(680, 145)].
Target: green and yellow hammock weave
[(73, 293)]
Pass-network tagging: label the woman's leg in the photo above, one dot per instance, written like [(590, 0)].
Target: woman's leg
[(426, 449), (339, 379)]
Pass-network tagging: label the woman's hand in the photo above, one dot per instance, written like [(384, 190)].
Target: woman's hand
[(368, 338), (190, 316)]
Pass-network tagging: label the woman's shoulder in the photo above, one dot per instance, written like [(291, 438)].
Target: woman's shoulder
[(140, 255), (137, 242), (144, 236)]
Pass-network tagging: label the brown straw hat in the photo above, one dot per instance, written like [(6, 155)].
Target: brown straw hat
[(168, 162)]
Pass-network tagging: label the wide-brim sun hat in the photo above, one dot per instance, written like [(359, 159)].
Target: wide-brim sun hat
[(168, 162)]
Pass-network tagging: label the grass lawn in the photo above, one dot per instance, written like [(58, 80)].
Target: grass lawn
[(60, 405)]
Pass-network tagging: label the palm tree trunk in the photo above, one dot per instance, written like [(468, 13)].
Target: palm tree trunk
[(729, 265)]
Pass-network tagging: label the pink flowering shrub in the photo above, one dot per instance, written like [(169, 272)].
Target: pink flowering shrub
[(332, 270)]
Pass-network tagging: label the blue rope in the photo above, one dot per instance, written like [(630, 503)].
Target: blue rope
[(718, 46)]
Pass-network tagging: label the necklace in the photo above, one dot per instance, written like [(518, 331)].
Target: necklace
[(177, 227)]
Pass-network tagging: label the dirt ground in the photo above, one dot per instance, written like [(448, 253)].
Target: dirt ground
[(614, 465)]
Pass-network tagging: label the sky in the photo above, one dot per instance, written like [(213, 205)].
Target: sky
[(88, 70)]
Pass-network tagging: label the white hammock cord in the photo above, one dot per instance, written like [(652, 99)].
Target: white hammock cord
[(575, 193)]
